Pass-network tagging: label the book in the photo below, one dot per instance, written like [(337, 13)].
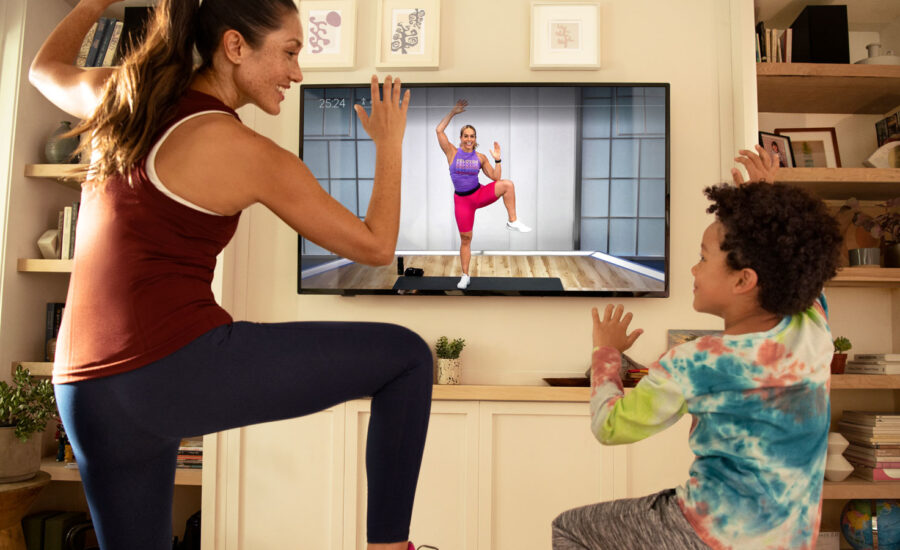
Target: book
[(880, 430), (761, 37), (54, 319), (869, 450), (33, 528), (95, 44), (877, 474), (66, 233), (876, 356), (113, 47), (85, 47), (104, 43), (854, 367), (868, 418), (876, 441), (855, 460), (75, 206), (59, 231)]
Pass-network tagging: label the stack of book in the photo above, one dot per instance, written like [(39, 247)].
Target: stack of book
[(190, 453), (633, 376), (874, 448), (874, 363)]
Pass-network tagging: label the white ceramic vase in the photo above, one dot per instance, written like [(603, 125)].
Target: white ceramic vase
[(18, 461), (448, 371), (836, 466)]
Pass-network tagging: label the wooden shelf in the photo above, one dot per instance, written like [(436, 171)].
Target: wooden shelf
[(854, 487), (62, 173), (866, 276), (34, 265), (842, 183), (865, 382), (827, 88), (59, 472)]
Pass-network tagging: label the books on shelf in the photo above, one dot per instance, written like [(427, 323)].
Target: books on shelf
[(54, 319), (874, 449), (876, 357), (66, 225), (190, 453), (105, 43), (872, 367), (871, 418), (773, 45)]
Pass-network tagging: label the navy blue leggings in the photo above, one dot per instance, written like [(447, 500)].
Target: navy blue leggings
[(125, 429)]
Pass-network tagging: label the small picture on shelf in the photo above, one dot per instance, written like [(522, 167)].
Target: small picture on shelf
[(779, 147), (813, 147)]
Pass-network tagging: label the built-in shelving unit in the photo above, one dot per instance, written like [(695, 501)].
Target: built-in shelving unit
[(59, 472), (875, 184), (34, 265), (827, 88)]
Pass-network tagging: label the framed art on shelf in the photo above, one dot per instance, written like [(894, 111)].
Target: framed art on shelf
[(329, 34), (408, 34), (565, 35), (779, 147), (813, 147)]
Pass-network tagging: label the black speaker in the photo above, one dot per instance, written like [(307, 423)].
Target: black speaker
[(820, 35)]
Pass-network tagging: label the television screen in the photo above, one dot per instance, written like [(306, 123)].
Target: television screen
[(589, 166)]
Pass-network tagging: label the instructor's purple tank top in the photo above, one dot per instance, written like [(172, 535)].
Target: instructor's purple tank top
[(464, 171)]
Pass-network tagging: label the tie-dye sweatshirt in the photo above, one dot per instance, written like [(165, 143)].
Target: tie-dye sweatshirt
[(761, 413)]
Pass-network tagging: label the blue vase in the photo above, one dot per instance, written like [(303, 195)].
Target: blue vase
[(58, 149)]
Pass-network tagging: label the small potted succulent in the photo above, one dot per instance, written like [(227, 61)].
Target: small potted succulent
[(448, 366), (25, 408), (841, 346)]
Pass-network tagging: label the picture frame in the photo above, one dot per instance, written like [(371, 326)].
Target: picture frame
[(813, 147), (408, 34), (565, 35), (678, 336), (778, 145), (329, 35)]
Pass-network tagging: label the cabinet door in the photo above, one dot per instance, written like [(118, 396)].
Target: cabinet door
[(536, 460), (288, 485), (445, 511)]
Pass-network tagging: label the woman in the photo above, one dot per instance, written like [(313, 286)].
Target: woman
[(146, 357), (469, 195)]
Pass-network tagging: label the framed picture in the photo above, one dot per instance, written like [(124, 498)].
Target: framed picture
[(680, 336), (329, 34), (408, 34), (813, 147), (779, 147), (565, 35)]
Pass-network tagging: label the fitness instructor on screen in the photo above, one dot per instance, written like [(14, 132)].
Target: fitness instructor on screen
[(469, 195)]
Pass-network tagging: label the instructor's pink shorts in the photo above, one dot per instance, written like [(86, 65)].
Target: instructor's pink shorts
[(467, 205)]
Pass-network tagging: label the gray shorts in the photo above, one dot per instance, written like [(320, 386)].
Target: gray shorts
[(651, 522)]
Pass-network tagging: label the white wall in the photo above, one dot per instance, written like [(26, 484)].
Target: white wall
[(522, 339)]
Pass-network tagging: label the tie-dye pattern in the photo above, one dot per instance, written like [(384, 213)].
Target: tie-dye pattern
[(761, 412)]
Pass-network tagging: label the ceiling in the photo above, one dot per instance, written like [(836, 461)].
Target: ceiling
[(862, 15)]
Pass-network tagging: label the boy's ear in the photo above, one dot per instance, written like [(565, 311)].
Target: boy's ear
[(746, 281)]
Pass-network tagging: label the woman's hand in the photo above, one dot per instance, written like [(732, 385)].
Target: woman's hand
[(387, 123), (459, 107), (760, 167), (495, 152), (612, 331)]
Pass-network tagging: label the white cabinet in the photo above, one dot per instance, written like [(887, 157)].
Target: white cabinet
[(494, 475)]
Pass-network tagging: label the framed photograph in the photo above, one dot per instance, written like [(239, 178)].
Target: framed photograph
[(408, 34), (779, 147), (680, 336), (329, 34), (565, 35), (813, 147)]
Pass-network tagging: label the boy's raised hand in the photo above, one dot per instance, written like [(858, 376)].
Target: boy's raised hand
[(760, 167), (612, 330)]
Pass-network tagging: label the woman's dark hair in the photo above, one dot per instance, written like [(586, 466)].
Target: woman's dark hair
[(141, 95), (784, 234)]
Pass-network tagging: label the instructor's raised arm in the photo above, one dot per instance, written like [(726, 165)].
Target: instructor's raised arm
[(446, 146)]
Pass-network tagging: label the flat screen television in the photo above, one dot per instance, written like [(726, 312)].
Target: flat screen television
[(590, 165)]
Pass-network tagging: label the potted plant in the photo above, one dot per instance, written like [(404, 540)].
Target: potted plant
[(841, 346), (25, 408), (448, 367), (882, 228)]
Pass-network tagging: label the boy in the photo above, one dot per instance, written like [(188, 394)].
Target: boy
[(758, 393)]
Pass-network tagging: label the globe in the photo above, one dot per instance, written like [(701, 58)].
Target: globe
[(856, 524)]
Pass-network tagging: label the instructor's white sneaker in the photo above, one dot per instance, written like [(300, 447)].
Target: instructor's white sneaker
[(518, 226), (463, 282)]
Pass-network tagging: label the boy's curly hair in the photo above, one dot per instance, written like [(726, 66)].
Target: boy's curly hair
[(784, 234)]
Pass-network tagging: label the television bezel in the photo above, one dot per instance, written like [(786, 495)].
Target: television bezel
[(455, 292)]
